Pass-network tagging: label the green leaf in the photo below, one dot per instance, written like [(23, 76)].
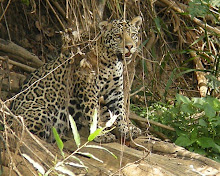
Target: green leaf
[(157, 22), (58, 140), (194, 134), (198, 8), (183, 141), (75, 131), (170, 81), (217, 123), (214, 102), (213, 82), (102, 148), (95, 134), (198, 102), (202, 123), (196, 41), (181, 133), (187, 108), (206, 142), (181, 98), (199, 151), (26, 2), (209, 111)]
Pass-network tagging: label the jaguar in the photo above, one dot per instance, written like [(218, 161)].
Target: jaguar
[(73, 85)]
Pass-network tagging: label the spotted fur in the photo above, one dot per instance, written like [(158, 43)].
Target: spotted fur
[(64, 89)]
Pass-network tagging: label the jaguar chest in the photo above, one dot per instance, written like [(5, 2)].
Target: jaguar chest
[(109, 76)]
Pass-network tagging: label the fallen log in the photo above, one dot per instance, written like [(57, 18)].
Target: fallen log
[(22, 66), (12, 48), (129, 162)]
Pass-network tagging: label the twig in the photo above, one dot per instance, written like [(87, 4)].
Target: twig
[(23, 66), (58, 18), (175, 7), (133, 116), (206, 26), (151, 41), (62, 12), (6, 8), (57, 5), (101, 7), (6, 23), (159, 134), (10, 47), (139, 90), (7, 111), (7, 143)]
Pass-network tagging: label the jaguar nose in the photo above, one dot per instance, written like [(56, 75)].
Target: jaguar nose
[(129, 47)]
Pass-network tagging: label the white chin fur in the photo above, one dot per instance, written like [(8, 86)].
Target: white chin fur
[(133, 50)]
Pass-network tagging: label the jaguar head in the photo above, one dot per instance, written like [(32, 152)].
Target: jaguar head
[(121, 37)]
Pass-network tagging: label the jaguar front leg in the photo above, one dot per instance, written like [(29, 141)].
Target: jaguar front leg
[(90, 108), (84, 105), (114, 101)]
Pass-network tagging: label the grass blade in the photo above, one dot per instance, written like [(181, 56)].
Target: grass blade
[(95, 134), (90, 156), (94, 123), (102, 148), (58, 140), (75, 131), (77, 159), (112, 120)]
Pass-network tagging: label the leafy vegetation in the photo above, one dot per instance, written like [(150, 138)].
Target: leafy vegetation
[(196, 121), (201, 7), (94, 132)]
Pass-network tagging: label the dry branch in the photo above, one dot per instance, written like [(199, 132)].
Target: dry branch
[(101, 7), (202, 81), (133, 116), (61, 11), (175, 7), (12, 48), (58, 18), (59, 8), (23, 66)]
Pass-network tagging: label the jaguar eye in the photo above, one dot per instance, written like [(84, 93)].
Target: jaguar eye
[(118, 36), (133, 35)]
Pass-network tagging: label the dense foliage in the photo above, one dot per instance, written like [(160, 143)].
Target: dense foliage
[(196, 121)]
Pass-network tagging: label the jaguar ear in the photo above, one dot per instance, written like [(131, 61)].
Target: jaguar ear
[(104, 25), (137, 21)]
